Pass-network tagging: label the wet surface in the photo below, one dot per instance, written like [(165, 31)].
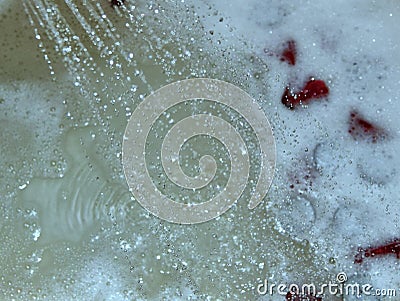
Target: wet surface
[(72, 73)]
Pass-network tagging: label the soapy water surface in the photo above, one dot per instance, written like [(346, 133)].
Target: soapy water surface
[(74, 73), (220, 93)]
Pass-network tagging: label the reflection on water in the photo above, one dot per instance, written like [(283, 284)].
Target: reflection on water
[(71, 205)]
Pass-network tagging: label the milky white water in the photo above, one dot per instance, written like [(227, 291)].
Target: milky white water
[(71, 76)]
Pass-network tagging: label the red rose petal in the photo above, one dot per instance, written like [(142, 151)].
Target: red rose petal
[(362, 130), (392, 247), (313, 89), (289, 53)]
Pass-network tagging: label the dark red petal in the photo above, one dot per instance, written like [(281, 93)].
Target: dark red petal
[(289, 99), (289, 53), (392, 247), (363, 130), (313, 89)]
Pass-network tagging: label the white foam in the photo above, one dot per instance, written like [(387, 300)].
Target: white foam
[(353, 46)]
